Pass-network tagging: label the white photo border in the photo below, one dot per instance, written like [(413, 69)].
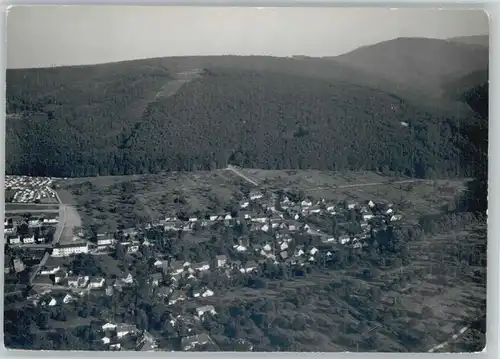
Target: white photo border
[(492, 8)]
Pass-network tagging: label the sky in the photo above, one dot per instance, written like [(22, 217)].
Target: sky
[(43, 36)]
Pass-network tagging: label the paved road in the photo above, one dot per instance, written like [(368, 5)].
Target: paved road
[(238, 173), (57, 237), (31, 204), (32, 210)]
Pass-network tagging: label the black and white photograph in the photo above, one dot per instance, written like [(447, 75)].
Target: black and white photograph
[(242, 179)]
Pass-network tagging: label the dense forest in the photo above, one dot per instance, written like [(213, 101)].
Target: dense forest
[(250, 111)]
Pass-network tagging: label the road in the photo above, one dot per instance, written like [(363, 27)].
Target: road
[(453, 337), (55, 240), (32, 210), (238, 173)]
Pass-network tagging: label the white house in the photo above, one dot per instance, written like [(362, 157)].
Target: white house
[(15, 240), (123, 330), (221, 260), (313, 250), (256, 195), (203, 266), (205, 309), (396, 217), (97, 283), (66, 250), (105, 340), (367, 217), (108, 326), (306, 203), (207, 293), (244, 204), (105, 241), (128, 279), (29, 240), (67, 299), (51, 270), (371, 204)]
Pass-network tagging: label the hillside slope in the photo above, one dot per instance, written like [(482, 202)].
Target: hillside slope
[(427, 64), (268, 119)]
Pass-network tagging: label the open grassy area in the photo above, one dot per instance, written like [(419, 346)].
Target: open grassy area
[(416, 197), (110, 202), (30, 207)]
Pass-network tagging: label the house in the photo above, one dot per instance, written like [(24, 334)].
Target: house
[(367, 217), (315, 210), (284, 255), (250, 266), (177, 267), (116, 346), (105, 241), (193, 219), (343, 239), (176, 297), (202, 266), (255, 195), (164, 292), (305, 203), (108, 326), (29, 239), (123, 330), (396, 217), (200, 311), (283, 246), (220, 260), (60, 276), (67, 299), (15, 240), (156, 278), (313, 251), (207, 293), (190, 342), (128, 279), (50, 270), (97, 283), (105, 340), (132, 248), (73, 281), (371, 204), (240, 248), (66, 250), (244, 204), (213, 217), (129, 232), (40, 239), (328, 239)]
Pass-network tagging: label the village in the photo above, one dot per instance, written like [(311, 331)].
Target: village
[(276, 228)]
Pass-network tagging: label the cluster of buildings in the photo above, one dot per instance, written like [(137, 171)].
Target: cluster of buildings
[(34, 232), (280, 221), (25, 189)]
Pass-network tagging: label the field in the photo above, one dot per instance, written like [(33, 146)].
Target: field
[(108, 202), (417, 197), (30, 207)]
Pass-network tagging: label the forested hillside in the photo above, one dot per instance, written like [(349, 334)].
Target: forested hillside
[(428, 64), (252, 111)]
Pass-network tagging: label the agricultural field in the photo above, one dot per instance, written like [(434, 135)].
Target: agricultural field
[(414, 197)]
